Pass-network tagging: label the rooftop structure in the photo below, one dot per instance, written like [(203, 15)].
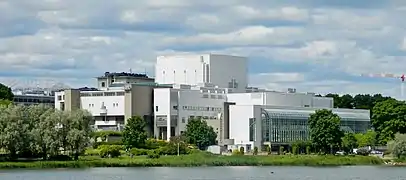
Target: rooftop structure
[(112, 79)]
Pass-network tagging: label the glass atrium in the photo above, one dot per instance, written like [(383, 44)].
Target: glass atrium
[(284, 127)]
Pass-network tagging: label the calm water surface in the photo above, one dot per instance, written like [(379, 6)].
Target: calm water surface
[(212, 173)]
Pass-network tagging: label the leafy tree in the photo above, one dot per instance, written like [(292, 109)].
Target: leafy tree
[(44, 133), (5, 102), (349, 142), (200, 134), (325, 130), (366, 139), (79, 132), (134, 135), (14, 128), (398, 146), (6, 93), (388, 119)]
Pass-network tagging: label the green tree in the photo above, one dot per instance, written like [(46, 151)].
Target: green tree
[(388, 118), (200, 134), (325, 131), (6, 93), (349, 142), (398, 146), (45, 132), (79, 132), (134, 135), (366, 139), (14, 128)]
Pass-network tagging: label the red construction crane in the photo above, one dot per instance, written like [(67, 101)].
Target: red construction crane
[(385, 75)]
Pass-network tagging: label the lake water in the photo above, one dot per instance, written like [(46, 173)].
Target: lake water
[(212, 173)]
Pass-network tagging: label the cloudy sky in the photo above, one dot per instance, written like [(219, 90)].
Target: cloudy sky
[(313, 45)]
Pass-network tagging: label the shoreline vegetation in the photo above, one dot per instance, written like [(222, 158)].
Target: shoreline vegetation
[(201, 159)]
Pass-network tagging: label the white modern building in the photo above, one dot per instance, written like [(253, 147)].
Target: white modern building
[(175, 106), (207, 69), (213, 88), (259, 125), (119, 97)]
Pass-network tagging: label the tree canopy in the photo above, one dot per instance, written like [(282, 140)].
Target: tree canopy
[(200, 134), (389, 118), (325, 131), (6, 93), (134, 134), (398, 146), (40, 131)]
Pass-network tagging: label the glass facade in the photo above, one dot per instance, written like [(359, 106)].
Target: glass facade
[(284, 127)]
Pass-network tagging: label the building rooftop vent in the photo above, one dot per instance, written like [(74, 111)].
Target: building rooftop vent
[(291, 90)]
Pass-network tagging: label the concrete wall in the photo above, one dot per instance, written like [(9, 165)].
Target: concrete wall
[(114, 104), (239, 123), (180, 69), (188, 103), (218, 70), (280, 99), (224, 68)]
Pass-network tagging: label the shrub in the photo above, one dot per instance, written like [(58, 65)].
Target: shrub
[(242, 150), (268, 149), (155, 143), (92, 152), (139, 152), (308, 150), (97, 144), (255, 150), (153, 155), (363, 152), (281, 152), (236, 152), (60, 158), (110, 150)]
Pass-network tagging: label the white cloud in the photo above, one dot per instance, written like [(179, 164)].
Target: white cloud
[(73, 41)]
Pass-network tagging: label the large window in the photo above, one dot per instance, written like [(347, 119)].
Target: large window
[(252, 129), (287, 127)]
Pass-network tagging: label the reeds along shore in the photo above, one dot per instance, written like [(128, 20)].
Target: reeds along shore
[(200, 160)]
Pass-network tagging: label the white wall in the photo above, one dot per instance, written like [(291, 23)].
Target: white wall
[(194, 99), (224, 68), (114, 105), (239, 123), (57, 101), (182, 69), (218, 70), (188, 103), (280, 99)]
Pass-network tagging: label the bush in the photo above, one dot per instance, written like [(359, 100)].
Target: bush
[(281, 150), (110, 151), (92, 152), (363, 152), (97, 144), (153, 155), (139, 152), (268, 150), (308, 150), (255, 150), (155, 143), (60, 158), (242, 150)]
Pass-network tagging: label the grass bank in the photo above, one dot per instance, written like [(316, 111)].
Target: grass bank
[(200, 160)]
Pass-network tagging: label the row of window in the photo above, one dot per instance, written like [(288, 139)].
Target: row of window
[(114, 105), (213, 96), (200, 108), (60, 98), (87, 94)]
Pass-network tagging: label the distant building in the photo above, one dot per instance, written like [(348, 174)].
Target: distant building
[(114, 102), (213, 88), (34, 97), (203, 70)]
